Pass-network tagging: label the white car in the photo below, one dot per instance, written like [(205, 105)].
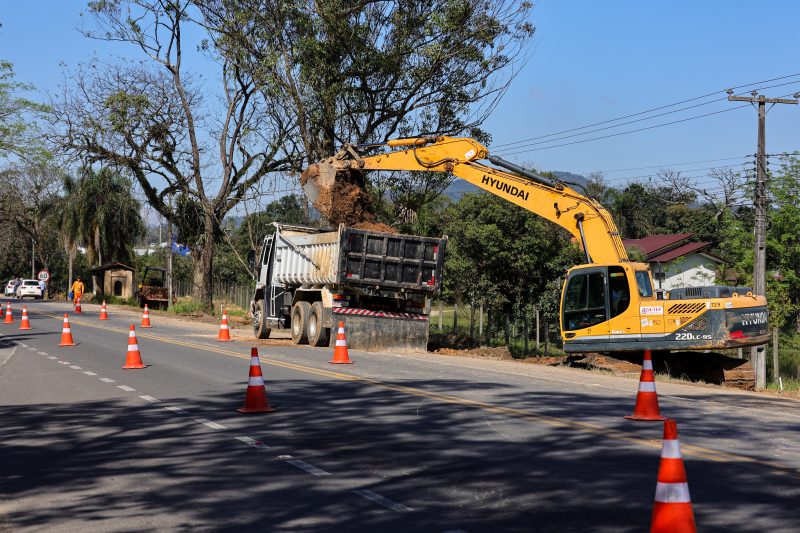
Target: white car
[(9, 288), (29, 288)]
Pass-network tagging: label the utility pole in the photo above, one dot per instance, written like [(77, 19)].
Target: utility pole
[(170, 291), (758, 355)]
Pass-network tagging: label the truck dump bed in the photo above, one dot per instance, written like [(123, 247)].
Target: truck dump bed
[(372, 261)]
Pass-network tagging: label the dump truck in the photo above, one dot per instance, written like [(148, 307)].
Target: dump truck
[(379, 284), (608, 304)]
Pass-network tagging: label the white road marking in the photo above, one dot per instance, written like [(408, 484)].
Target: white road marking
[(252, 442), (380, 500), (42, 353), (149, 398), (63, 362), (126, 388), (209, 423), (175, 409), (52, 357), (21, 344), (89, 373), (32, 348), (76, 367), (8, 357), (311, 469), (107, 380)]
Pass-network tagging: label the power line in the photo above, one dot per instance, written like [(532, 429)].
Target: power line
[(664, 165), (651, 110)]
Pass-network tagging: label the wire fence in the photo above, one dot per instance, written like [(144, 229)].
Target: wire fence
[(236, 294)]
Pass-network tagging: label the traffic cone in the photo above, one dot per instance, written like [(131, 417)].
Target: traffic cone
[(672, 511), (134, 359), (146, 318), (256, 399), (24, 324), (104, 312), (340, 355), (66, 333), (78, 306), (646, 400), (9, 316), (224, 330)]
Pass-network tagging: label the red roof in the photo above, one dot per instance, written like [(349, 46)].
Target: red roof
[(655, 243), (663, 248)]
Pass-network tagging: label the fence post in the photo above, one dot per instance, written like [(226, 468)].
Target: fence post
[(455, 318), (472, 318), (525, 331), (441, 312), (776, 365), (546, 337), (537, 329), (506, 331), (480, 321)]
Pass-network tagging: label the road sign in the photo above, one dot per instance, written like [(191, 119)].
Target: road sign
[(44, 275)]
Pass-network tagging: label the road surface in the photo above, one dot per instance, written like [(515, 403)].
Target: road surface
[(395, 442)]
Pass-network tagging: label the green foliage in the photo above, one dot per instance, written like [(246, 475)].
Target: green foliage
[(19, 134), (186, 306), (502, 255)]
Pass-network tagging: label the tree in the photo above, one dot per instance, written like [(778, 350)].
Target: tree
[(18, 133), (364, 72), (101, 212), (150, 119)]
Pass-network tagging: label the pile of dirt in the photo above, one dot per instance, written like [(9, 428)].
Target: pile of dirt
[(596, 361), (375, 226), (342, 196), (437, 341), (500, 353)]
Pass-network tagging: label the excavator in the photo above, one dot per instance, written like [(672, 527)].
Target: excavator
[(609, 304)]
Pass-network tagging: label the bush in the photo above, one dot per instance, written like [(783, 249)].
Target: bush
[(186, 306)]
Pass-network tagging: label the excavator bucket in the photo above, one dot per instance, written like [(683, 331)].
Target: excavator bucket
[(338, 194)]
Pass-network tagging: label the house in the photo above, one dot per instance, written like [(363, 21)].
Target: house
[(677, 262), (113, 279)]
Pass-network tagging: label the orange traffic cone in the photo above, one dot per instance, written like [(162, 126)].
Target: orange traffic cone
[(104, 312), (340, 355), (256, 399), (66, 333), (224, 330), (672, 511), (647, 399), (24, 324), (146, 318), (78, 306), (9, 317), (134, 359)]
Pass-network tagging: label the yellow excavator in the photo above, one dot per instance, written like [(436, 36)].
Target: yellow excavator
[(608, 305)]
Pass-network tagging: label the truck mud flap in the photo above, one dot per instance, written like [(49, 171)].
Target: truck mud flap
[(379, 334)]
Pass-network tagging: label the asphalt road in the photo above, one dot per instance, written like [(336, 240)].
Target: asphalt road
[(395, 442)]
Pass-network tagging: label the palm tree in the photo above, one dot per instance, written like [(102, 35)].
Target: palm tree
[(101, 213)]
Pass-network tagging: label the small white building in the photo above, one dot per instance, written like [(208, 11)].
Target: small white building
[(677, 262)]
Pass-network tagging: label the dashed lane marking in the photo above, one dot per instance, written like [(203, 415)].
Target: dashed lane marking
[(175, 409), (149, 399), (31, 348), (107, 380), (252, 442), (52, 357), (311, 469), (75, 367), (90, 373), (209, 423), (126, 388), (21, 344), (381, 500), (63, 362), (531, 416), (42, 353)]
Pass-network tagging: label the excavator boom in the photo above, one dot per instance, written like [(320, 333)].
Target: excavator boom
[(588, 221)]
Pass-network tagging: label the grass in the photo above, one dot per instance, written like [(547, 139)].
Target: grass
[(186, 306)]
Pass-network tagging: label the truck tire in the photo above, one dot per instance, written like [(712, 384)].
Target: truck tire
[(317, 334), (260, 328), (300, 312)]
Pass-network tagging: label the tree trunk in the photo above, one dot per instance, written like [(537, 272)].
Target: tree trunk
[(203, 265)]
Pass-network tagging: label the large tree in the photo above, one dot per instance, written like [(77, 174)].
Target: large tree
[(18, 133), (366, 71), (152, 120)]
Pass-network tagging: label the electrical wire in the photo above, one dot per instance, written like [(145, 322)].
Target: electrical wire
[(656, 109)]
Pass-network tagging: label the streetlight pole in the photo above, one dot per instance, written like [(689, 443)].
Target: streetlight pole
[(33, 258)]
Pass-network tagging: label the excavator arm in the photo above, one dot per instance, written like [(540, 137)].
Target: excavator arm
[(588, 221)]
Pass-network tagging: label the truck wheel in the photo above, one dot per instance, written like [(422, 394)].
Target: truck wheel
[(317, 334), (300, 312), (260, 329)]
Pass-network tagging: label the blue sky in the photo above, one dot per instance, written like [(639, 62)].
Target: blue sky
[(592, 61)]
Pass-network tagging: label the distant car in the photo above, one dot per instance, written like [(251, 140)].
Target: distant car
[(9, 288), (29, 288)]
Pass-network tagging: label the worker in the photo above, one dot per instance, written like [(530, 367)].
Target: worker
[(77, 289), (43, 287)]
